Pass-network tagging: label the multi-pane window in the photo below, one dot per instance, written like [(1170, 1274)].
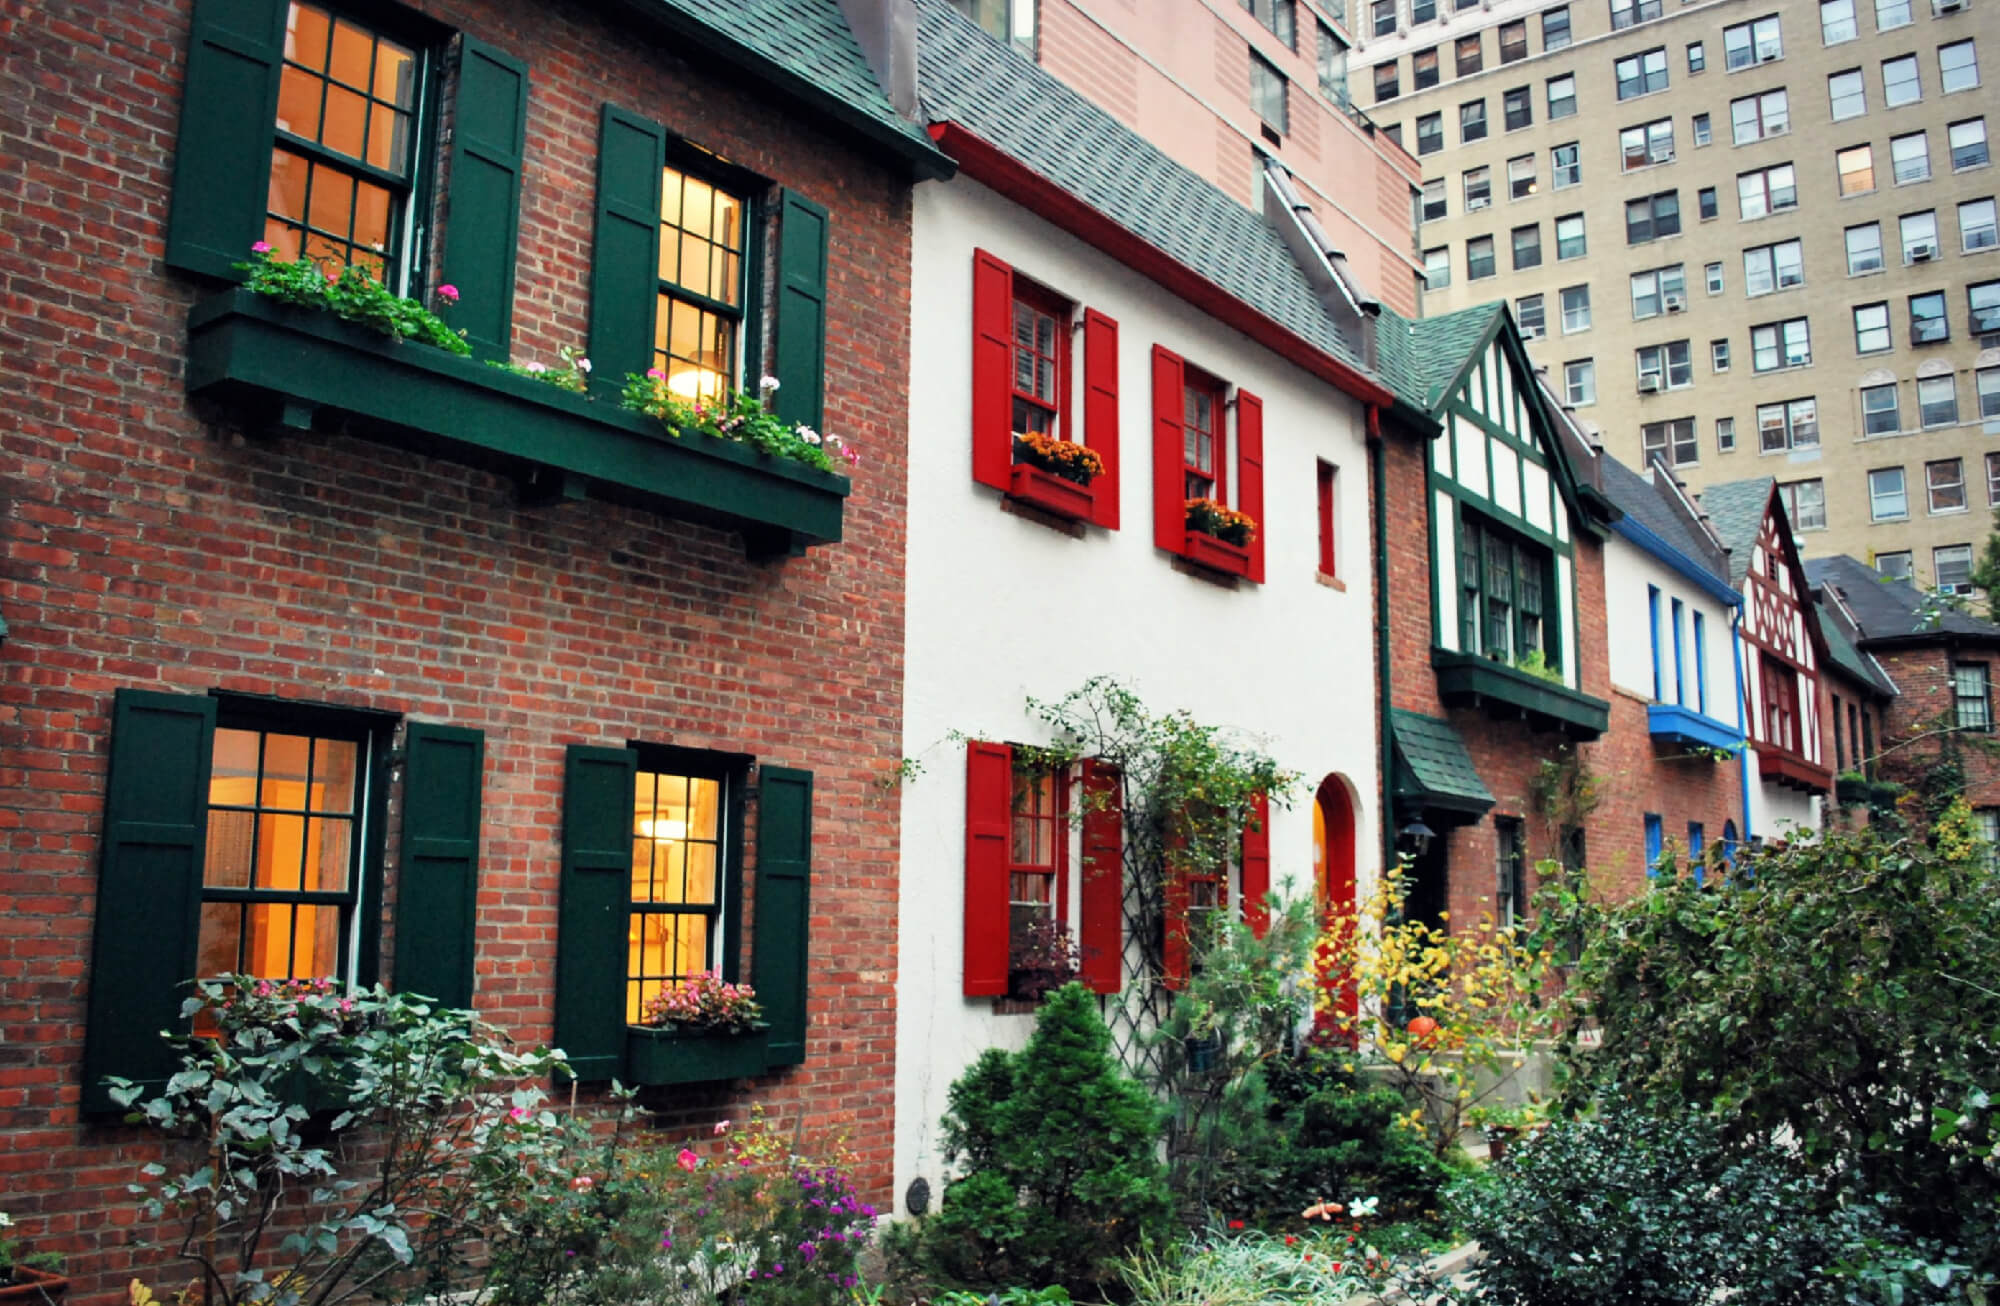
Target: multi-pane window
[(1422, 11), (674, 916), (1773, 267), (1648, 143), (1470, 54), (1983, 304), (1517, 106), (1514, 41), (1430, 133), (343, 168), (1971, 701), (1725, 435), (1793, 424), (1944, 483), (1202, 436), (1780, 344), (1478, 188), (1968, 143), (1920, 236), (1767, 191), (1280, 16), (1424, 69), (1703, 133), (1697, 54), (1565, 166), (1891, 14), (1576, 309), (1958, 67), (1712, 274), (1847, 94), (1385, 81), (1871, 328), (1434, 200), (1880, 412), (1987, 381), (1555, 29), (701, 277), (1652, 216), (1532, 315), (1641, 74), (1332, 65), (1511, 896), (1038, 838), (1041, 357), (1753, 42), (1382, 17), (1503, 580), (1269, 94), (1472, 121), (1864, 248), (1437, 267), (1836, 21), (1951, 567), (1993, 480), (1706, 203), (1520, 176), (1805, 504), (1856, 168), (1657, 291), (1527, 246), (1779, 682), (1580, 382), (1755, 117), (1928, 323), (1888, 497), (1012, 21), (1901, 82), (1910, 157), (1718, 354), (1674, 441), (1562, 96), (1895, 566), (1570, 241), (1937, 401), (1665, 367), (1479, 263), (1624, 13)]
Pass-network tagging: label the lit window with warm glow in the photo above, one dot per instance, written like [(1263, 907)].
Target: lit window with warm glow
[(701, 286), (676, 909), (1040, 832)]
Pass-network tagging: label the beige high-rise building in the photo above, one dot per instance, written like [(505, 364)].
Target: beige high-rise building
[(1756, 239)]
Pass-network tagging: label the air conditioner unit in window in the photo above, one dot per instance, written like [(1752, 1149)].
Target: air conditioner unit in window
[(1949, 6), (1649, 384), (1766, 56), (1676, 303), (1923, 252), (1531, 333)]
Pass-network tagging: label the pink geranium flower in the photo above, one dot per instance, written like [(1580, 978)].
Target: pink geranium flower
[(261, 247), (687, 1160), (448, 293)]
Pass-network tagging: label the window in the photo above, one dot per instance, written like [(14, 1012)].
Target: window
[(1652, 217), (1910, 157), (1478, 189), (1970, 700), (1430, 134), (1513, 41), (1937, 401), (1725, 435), (1864, 248), (1012, 21), (1647, 144), (1328, 482), (1562, 96), (1520, 176), (1269, 95), (1944, 481), (1928, 325), (1203, 436), (1901, 83), (1527, 246), (1703, 133), (1385, 82), (1987, 381), (1511, 895), (1332, 65), (1958, 67), (1393, 133), (1479, 258), (1780, 344), (1555, 29), (1576, 309), (1570, 242), (1767, 191), (1669, 366), (1968, 144), (1891, 14), (1673, 441), (1758, 41), (1773, 267), (1517, 107), (1993, 479), (1793, 424), (1919, 234), (1641, 74), (1656, 842), (1718, 354), (1712, 273), (1951, 567), (1755, 117), (1424, 69), (1871, 329), (1434, 199), (1532, 317), (681, 848), (1856, 166), (703, 251), (1041, 358), (1565, 167), (1780, 685), (1472, 121), (1580, 382), (1422, 11), (1887, 500), (1382, 18), (1895, 566), (1437, 267), (1697, 58), (1836, 21), (1879, 415), (1705, 203), (1805, 504), (1280, 16), (1624, 13), (1982, 302), (1470, 55), (1847, 93), (1503, 579), (1651, 291)]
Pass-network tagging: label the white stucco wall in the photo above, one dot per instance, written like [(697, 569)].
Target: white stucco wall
[(1000, 608), (1777, 811), (1628, 571)]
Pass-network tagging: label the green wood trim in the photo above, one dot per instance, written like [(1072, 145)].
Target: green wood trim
[(1466, 680), (1484, 505), (222, 153), (783, 890), (625, 246), (799, 317), (437, 886), (594, 906), (483, 222)]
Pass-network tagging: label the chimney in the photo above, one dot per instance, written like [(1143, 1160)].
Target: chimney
[(887, 33)]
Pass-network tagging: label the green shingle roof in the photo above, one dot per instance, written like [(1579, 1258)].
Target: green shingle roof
[(1844, 654), (1421, 359), (1432, 765), (1736, 510)]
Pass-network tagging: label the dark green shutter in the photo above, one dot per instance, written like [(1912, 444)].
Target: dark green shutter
[(800, 320), (598, 788), (148, 887), (625, 252), (437, 885), (488, 136), (222, 156), (783, 892)]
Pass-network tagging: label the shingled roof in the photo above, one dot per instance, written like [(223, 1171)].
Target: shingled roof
[(968, 78), (1841, 650), (1887, 609), (1420, 359), (1736, 510), (1656, 506)]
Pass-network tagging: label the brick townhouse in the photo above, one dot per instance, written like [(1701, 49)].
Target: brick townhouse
[(330, 654)]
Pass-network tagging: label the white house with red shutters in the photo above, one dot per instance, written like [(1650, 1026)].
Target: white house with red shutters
[(1073, 282)]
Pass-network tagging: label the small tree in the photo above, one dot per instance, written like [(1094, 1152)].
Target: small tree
[(1986, 572)]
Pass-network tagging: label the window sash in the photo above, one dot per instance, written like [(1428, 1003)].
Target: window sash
[(1888, 496)]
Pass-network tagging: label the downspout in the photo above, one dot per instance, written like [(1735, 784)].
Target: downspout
[(1378, 497), (1742, 726)]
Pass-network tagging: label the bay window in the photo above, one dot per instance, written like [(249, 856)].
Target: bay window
[(1504, 579)]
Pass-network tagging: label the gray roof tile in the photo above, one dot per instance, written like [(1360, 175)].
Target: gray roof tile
[(1736, 510), (1656, 507), (1435, 764), (1885, 608)]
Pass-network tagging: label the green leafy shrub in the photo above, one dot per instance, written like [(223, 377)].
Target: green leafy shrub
[(1254, 1268), (1055, 1151), (352, 294), (741, 418)]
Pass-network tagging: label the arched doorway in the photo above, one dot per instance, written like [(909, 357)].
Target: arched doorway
[(1333, 866)]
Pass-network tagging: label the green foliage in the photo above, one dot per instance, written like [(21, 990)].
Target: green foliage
[(1986, 572), (1536, 663), (1251, 1268), (741, 418), (573, 375), (1056, 1155), (351, 294), (1005, 1297), (13, 1252)]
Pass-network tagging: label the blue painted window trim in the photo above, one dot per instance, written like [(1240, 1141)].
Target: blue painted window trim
[(1653, 621), (1700, 667), (1655, 843), (1680, 667)]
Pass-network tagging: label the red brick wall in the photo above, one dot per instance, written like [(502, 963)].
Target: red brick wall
[(1909, 740), (146, 547)]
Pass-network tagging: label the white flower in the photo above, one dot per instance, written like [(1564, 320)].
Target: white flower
[(1363, 1207), (537, 368), (806, 433), (583, 364), (768, 383), (6, 1220)]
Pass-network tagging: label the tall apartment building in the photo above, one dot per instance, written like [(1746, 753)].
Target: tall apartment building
[(1220, 83), (1755, 237)]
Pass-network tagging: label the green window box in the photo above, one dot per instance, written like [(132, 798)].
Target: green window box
[(1465, 680), (668, 1055)]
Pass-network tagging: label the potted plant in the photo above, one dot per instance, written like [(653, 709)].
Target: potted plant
[(28, 1276), (1852, 789), (1041, 959), (700, 1029), (1506, 1123), (1054, 474), (1218, 537)]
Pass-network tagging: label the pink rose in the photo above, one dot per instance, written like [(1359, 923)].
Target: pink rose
[(448, 293), (721, 1128), (687, 1160)]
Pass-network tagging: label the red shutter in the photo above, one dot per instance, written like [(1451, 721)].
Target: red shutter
[(992, 370), (989, 787), (1100, 411), (1257, 864), (1169, 409), (1101, 905), (1250, 473)]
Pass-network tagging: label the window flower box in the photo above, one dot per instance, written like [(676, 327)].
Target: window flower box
[(1049, 492), (273, 363), (677, 1054), (1206, 551), (33, 1286)]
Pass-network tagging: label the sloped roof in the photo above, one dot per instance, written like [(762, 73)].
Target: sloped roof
[(1844, 654), (1421, 359), (967, 77), (1433, 764), (1736, 510), (1886, 609), (1656, 507)]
